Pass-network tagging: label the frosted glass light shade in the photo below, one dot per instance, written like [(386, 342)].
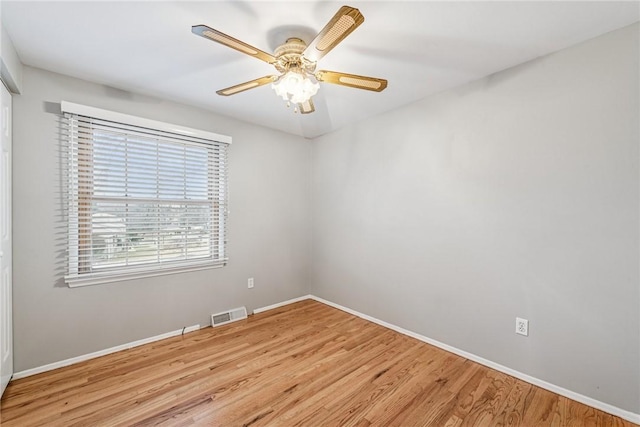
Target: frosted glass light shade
[(295, 87)]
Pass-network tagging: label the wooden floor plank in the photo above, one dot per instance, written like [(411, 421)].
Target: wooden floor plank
[(303, 364)]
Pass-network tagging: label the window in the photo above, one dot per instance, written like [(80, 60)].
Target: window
[(145, 197)]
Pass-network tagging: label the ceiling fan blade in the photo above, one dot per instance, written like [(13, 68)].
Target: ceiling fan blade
[(306, 107), (352, 80), (341, 25), (217, 36), (247, 85)]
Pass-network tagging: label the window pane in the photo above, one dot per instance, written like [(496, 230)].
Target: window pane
[(125, 234)]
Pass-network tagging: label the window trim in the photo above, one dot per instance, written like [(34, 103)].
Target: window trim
[(130, 273), (98, 278)]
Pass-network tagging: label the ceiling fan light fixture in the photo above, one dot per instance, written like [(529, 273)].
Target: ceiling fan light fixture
[(295, 60), (295, 87)]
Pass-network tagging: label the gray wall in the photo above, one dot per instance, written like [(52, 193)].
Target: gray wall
[(269, 230), (515, 195)]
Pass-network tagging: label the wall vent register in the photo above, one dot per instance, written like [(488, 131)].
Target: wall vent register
[(225, 317)]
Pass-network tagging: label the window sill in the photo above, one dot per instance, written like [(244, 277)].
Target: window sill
[(99, 278)]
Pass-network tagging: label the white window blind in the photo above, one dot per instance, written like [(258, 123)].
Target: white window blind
[(145, 197)]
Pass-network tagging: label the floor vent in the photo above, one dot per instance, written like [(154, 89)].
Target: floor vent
[(228, 316)]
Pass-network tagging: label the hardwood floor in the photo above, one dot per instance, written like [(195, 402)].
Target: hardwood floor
[(304, 364)]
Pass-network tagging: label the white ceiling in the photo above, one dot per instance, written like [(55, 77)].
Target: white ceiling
[(420, 47)]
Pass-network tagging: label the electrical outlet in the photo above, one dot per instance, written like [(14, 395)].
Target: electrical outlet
[(250, 283), (522, 326)]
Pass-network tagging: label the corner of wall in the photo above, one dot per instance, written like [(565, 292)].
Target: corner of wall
[(10, 64)]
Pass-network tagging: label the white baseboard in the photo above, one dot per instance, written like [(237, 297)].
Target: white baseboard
[(281, 304), (613, 410), (78, 359)]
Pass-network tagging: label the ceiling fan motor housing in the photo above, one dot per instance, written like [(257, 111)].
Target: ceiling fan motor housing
[(289, 56)]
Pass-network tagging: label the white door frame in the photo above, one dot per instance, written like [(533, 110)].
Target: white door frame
[(6, 278)]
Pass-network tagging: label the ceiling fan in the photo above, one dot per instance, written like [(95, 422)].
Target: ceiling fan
[(296, 62)]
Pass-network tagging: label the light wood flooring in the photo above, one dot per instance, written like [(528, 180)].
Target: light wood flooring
[(305, 364)]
